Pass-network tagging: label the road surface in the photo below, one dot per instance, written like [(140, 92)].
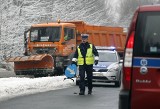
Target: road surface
[(102, 98)]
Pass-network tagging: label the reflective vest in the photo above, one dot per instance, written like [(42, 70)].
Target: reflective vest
[(89, 56)]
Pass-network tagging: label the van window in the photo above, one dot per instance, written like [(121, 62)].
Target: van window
[(147, 36)]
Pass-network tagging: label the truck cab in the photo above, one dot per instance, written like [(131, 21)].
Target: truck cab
[(56, 39)]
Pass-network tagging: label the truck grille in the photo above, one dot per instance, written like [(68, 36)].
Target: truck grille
[(44, 50)]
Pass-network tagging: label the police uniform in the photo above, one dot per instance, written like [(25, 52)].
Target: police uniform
[(85, 56)]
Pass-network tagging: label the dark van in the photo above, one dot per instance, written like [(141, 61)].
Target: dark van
[(141, 67)]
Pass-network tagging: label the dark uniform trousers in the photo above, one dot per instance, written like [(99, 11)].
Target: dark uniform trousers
[(88, 70)]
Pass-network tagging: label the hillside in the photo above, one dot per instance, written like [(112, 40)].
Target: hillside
[(18, 15)]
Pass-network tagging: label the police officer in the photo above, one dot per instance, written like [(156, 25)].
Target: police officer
[(85, 56)]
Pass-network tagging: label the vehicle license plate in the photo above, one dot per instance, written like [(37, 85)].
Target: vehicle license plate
[(97, 74)]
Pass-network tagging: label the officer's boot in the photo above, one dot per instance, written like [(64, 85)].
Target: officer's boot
[(81, 92), (89, 92)]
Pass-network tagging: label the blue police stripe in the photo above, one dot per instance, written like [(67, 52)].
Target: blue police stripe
[(151, 62)]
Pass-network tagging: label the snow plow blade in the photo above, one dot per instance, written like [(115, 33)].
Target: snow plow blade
[(37, 65)]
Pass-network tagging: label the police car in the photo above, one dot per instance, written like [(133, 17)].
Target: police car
[(108, 69)]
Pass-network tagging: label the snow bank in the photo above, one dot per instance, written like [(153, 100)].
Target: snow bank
[(14, 86)]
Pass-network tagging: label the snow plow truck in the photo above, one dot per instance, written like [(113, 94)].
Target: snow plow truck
[(49, 47)]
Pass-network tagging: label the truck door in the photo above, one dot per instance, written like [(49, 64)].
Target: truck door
[(26, 36), (145, 81), (70, 40)]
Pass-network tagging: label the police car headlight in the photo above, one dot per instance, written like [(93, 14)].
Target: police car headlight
[(113, 69)]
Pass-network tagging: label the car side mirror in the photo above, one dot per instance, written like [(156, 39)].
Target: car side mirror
[(121, 61)]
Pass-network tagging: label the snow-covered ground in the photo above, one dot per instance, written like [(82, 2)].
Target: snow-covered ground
[(14, 86)]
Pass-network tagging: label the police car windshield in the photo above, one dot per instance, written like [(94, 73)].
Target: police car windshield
[(107, 56)]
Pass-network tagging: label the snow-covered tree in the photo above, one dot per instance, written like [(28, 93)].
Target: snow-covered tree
[(18, 15)]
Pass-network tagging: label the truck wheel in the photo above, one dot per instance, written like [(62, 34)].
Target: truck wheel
[(58, 71), (51, 73)]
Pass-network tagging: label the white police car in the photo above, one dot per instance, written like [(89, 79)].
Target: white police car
[(109, 67)]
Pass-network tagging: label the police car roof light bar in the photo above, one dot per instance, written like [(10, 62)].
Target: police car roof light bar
[(105, 48)]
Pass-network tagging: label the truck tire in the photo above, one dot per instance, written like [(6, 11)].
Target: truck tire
[(58, 71)]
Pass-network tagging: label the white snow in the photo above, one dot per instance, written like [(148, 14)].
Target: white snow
[(15, 86), (1, 69)]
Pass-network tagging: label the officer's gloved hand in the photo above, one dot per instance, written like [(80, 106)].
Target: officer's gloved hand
[(73, 62), (96, 62)]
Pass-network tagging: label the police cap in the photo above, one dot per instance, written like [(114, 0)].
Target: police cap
[(84, 36)]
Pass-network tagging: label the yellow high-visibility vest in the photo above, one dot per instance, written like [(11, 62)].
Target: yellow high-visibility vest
[(89, 56)]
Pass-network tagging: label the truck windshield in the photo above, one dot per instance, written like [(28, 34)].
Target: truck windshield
[(45, 34)]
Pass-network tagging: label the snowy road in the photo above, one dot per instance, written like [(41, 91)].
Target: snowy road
[(52, 93)]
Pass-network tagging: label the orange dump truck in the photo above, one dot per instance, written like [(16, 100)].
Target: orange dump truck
[(49, 47)]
